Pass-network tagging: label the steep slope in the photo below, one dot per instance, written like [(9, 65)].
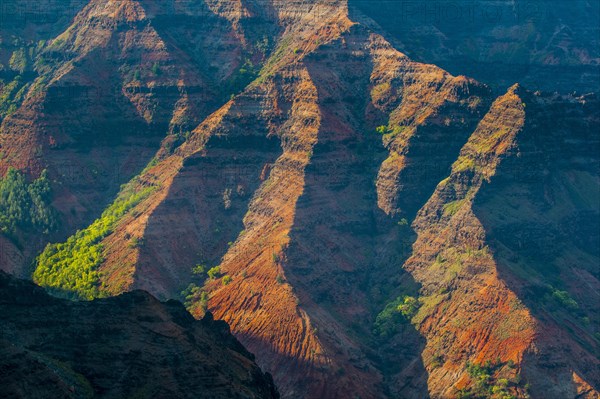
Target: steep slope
[(545, 45), (253, 212), (497, 309), (127, 346), (124, 77), (289, 211)]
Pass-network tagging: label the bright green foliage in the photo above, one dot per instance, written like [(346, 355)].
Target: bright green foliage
[(226, 280), (214, 272), (382, 129), (485, 385), (451, 208), (396, 313), (26, 205), (199, 270), (71, 267), (408, 307)]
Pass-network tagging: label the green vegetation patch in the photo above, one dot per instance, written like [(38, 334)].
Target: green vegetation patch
[(194, 295), (12, 95), (396, 313), (238, 81), (451, 208), (18, 61), (71, 268), (487, 381), (464, 164), (26, 205), (380, 91)]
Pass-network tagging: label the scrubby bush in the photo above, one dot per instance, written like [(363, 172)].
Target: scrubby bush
[(195, 295), (396, 313), (382, 129), (484, 384), (242, 77), (214, 272), (564, 299), (199, 270)]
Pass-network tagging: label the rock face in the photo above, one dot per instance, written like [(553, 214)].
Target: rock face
[(369, 226), (128, 346)]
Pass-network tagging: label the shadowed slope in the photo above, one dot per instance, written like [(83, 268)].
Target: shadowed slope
[(127, 346)]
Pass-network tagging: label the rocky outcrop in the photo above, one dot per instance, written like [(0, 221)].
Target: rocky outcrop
[(128, 346)]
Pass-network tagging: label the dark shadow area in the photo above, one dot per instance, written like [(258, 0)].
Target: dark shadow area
[(131, 345), (546, 45)]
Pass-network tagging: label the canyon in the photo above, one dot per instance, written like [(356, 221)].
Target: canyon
[(367, 225)]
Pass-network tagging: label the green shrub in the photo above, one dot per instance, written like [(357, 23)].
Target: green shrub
[(565, 300), (199, 270), (484, 385), (403, 222), (214, 272), (226, 280), (408, 307), (195, 295), (136, 242), (382, 129), (12, 95), (398, 312), (241, 78)]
